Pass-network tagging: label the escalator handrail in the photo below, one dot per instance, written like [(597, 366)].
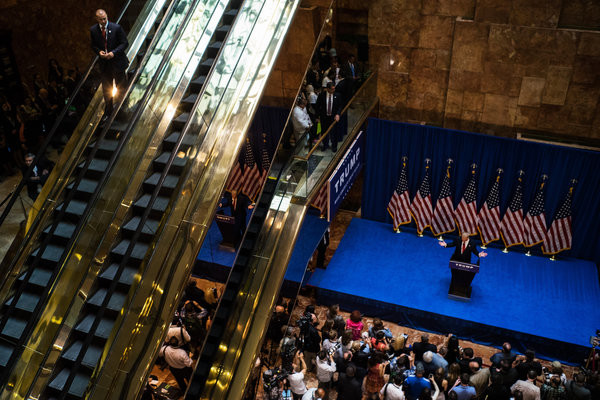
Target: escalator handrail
[(55, 126), (97, 191)]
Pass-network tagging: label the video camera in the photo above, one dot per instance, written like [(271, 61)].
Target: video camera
[(272, 377)]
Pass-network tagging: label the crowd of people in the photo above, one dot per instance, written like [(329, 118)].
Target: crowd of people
[(27, 118), (360, 362), (329, 85)]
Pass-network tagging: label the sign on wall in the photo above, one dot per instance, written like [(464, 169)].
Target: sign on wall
[(345, 174)]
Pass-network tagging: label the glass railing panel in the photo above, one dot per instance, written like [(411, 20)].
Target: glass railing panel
[(236, 84), (85, 258)]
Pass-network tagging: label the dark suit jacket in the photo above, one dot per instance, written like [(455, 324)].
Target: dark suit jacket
[(241, 207), (344, 88), (348, 71), (116, 42), (466, 256), (322, 105)]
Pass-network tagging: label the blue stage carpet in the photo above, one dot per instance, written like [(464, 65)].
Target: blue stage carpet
[(309, 237), (512, 294)]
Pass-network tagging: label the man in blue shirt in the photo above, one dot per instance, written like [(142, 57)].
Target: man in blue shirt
[(464, 391), (506, 353), (416, 383)]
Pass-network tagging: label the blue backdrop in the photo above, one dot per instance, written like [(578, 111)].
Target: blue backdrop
[(388, 141)]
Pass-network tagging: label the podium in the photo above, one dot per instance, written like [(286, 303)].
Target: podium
[(226, 225), (462, 276)]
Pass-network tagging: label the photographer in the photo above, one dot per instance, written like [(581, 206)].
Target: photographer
[(576, 389), (553, 389), (296, 378), (288, 349), (325, 369), (275, 385), (311, 340)]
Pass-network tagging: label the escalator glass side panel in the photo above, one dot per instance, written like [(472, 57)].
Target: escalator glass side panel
[(203, 181), (83, 251)]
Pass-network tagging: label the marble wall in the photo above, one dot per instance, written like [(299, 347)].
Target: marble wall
[(493, 66)]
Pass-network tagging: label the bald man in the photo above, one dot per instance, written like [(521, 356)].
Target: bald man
[(464, 248), (109, 42)]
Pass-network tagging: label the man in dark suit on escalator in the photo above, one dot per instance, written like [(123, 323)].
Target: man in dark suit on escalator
[(238, 204), (109, 42)]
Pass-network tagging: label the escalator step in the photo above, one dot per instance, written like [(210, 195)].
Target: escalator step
[(96, 168), (186, 143), (5, 353), (137, 253), (168, 186), (63, 232), (14, 328), (90, 358), (126, 278), (199, 81), (39, 277), (182, 118), (27, 302), (78, 386), (232, 13), (148, 229), (102, 331), (114, 304), (50, 256), (191, 99), (177, 166), (85, 189), (106, 148), (216, 45), (158, 207), (74, 209), (208, 62), (223, 29)]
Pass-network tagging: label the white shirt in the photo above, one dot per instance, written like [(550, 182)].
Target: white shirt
[(180, 333), (394, 392), (296, 381), (310, 393), (176, 357), (300, 120), (324, 370)]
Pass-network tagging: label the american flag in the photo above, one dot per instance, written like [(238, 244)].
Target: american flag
[(399, 205), (466, 212), (535, 220), (443, 215), (489, 215), (320, 202), (421, 208), (234, 183), (512, 228), (559, 235), (265, 159), (252, 178)]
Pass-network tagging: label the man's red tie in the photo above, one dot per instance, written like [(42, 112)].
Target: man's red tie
[(463, 247), (104, 37)]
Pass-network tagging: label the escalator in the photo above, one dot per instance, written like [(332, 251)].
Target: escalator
[(84, 347), (29, 300), (21, 297), (161, 164)]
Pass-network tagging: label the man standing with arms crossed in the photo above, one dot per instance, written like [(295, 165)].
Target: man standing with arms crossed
[(109, 43)]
